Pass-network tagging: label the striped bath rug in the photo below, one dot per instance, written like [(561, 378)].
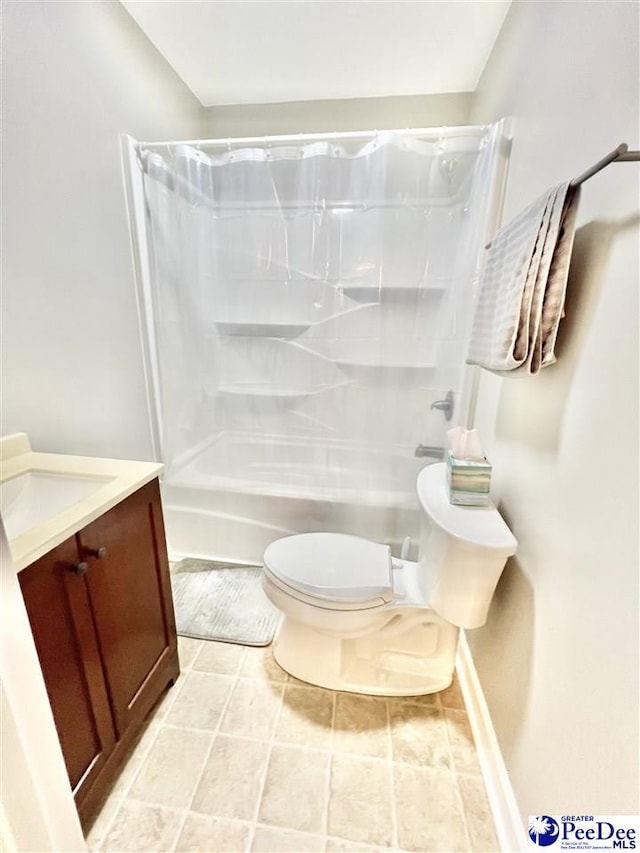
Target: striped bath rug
[(222, 601)]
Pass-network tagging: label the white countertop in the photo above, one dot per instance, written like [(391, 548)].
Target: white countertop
[(121, 479)]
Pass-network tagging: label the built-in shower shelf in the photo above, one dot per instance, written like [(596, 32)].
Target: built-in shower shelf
[(272, 392), (281, 329), (371, 293), (373, 369), (258, 329)]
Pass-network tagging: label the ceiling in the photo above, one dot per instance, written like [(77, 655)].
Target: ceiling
[(258, 51)]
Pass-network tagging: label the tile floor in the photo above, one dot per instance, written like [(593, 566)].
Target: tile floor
[(239, 756)]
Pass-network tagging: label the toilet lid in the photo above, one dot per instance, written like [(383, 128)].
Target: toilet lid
[(333, 567)]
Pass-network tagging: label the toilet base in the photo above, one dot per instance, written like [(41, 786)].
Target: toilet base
[(413, 662)]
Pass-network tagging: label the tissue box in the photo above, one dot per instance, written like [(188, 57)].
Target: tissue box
[(468, 482)]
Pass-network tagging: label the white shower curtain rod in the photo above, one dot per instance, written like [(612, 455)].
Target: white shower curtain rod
[(300, 138)]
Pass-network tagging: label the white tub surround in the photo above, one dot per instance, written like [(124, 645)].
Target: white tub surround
[(88, 487), (306, 303)]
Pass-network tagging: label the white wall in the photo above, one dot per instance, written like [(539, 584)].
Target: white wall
[(558, 659), (75, 76), (337, 115)]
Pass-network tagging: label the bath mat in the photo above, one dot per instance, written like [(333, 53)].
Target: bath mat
[(222, 601)]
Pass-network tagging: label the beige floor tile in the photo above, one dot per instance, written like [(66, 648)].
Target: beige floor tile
[(101, 823), (201, 700), (138, 827), (188, 649), (306, 717), (295, 790), (419, 734), (298, 682), (136, 757), (253, 708), (232, 778), (161, 708), (463, 749), (170, 772), (258, 662), (206, 834), (480, 823), (223, 658), (360, 800), (428, 810), (268, 840), (427, 700), (339, 844), (452, 696), (361, 725)]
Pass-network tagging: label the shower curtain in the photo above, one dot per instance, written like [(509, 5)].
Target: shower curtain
[(309, 302)]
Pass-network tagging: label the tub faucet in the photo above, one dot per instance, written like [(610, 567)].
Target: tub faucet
[(429, 450)]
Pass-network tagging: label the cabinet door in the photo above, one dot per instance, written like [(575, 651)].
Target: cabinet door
[(58, 609), (130, 592)]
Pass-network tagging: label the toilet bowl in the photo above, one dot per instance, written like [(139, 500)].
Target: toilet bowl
[(355, 618)]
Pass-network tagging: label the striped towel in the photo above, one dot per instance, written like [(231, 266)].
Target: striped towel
[(522, 292)]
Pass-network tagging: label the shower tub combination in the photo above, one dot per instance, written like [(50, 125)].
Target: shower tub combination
[(238, 494), (304, 303)]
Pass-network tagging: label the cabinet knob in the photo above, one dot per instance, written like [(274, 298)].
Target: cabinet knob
[(98, 553), (80, 568)]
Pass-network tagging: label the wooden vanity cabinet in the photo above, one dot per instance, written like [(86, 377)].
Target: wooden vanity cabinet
[(63, 632), (102, 618)]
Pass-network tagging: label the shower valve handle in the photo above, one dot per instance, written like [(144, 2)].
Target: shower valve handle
[(446, 406)]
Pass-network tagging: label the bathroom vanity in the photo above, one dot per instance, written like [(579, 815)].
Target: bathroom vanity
[(95, 580)]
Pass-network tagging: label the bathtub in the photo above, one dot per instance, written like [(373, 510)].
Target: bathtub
[(235, 496)]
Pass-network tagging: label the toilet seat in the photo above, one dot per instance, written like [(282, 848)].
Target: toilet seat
[(331, 570)]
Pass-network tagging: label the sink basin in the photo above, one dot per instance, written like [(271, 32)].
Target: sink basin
[(33, 498)]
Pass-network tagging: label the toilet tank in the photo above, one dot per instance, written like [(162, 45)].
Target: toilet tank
[(462, 552)]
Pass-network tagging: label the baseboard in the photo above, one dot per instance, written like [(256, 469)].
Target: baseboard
[(509, 828)]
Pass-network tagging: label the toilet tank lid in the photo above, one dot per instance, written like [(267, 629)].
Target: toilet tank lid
[(478, 525)]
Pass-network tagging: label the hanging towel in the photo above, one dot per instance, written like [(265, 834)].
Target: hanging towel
[(523, 286)]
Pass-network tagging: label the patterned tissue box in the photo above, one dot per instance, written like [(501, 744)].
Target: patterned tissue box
[(468, 481)]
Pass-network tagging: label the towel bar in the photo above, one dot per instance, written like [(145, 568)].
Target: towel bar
[(621, 154)]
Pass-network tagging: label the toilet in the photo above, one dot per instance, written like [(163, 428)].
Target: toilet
[(359, 620)]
